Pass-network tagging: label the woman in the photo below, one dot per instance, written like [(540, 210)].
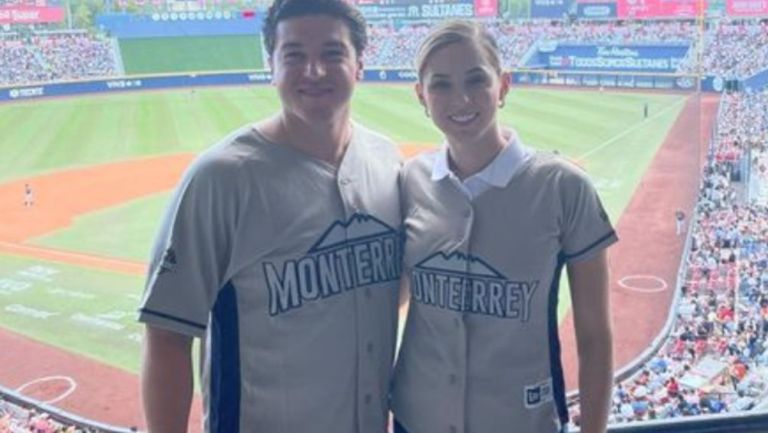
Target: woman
[(490, 225)]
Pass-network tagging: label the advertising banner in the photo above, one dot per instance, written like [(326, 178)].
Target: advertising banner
[(660, 8), (175, 81), (630, 58), (30, 15), (417, 9), (486, 8), (747, 8), (550, 8), (596, 10)]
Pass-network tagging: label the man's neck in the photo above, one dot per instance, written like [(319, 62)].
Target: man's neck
[(326, 141)]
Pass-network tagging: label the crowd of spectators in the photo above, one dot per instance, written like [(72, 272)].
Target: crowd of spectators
[(54, 57), (396, 46), (716, 356), (736, 49), (747, 126), (17, 419), (731, 49)]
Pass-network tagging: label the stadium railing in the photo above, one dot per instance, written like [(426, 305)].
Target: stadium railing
[(749, 422)]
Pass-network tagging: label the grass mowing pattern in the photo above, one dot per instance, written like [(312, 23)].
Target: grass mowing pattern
[(191, 54), (90, 312)]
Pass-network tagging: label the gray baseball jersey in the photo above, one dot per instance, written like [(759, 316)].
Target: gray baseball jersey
[(480, 352), (290, 268)]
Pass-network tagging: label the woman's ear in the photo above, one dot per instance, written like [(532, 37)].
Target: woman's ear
[(419, 89), (506, 83)]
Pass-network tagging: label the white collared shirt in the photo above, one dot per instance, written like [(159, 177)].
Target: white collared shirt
[(497, 173)]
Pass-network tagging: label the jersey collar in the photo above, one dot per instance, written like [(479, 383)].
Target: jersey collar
[(498, 173)]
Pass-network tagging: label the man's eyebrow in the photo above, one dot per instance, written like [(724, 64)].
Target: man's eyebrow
[(334, 44), (290, 45)]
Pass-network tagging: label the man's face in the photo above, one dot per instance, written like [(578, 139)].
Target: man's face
[(315, 67)]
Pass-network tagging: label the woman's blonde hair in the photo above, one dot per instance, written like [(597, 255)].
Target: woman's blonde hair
[(455, 31)]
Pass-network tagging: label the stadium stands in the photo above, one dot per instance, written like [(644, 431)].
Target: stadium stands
[(55, 57), (17, 419), (731, 49), (736, 49), (396, 47), (715, 359)]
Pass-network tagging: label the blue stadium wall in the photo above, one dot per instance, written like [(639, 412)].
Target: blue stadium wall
[(16, 93), (171, 82)]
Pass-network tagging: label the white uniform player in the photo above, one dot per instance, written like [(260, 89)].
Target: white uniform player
[(481, 352), (298, 296)]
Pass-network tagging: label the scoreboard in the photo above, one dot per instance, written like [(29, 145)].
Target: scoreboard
[(375, 10)]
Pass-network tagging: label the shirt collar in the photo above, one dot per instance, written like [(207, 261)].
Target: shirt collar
[(497, 173)]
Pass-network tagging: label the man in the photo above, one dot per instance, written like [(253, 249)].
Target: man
[(282, 247), (29, 196), (679, 222)]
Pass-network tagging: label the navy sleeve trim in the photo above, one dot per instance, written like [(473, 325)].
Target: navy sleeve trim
[(173, 318), (604, 238)]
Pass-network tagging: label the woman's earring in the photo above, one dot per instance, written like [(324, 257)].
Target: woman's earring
[(501, 103)]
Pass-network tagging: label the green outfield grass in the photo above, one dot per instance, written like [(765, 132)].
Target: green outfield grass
[(191, 54), (603, 131), (125, 231), (85, 311)]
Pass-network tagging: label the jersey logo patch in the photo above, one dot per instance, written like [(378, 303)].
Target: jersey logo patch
[(168, 263), (536, 395), (359, 252), (467, 284)]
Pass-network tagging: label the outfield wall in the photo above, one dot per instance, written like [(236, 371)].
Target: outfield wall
[(622, 80), (171, 82), (156, 82)]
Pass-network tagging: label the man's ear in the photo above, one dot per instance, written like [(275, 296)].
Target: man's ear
[(359, 74), (271, 63)]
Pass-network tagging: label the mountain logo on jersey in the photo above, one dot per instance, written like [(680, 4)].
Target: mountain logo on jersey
[(467, 284), (350, 254)]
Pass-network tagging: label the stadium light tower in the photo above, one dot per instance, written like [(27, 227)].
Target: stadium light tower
[(68, 5)]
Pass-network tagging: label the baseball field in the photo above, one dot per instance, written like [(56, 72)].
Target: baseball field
[(101, 169)]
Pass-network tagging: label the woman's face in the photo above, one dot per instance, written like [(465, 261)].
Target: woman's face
[(461, 89)]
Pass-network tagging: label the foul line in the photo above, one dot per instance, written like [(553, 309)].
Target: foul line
[(71, 257), (630, 129)]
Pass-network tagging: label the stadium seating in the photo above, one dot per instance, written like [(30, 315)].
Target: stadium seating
[(55, 57), (715, 358), (735, 50)]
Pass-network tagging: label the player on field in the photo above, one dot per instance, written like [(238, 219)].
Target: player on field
[(490, 225), (282, 249)]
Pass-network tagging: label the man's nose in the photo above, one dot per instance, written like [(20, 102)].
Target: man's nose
[(315, 69)]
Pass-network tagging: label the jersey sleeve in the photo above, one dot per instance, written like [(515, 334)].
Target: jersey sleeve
[(191, 254), (587, 228)]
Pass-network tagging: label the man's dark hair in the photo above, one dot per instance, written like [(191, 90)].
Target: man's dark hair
[(284, 9)]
